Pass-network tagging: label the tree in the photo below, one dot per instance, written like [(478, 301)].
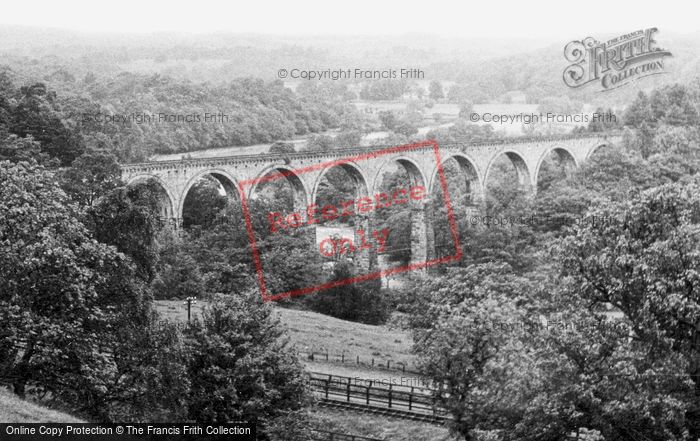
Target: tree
[(384, 89), (460, 93), (465, 329), (466, 108), (202, 203), (292, 262), (638, 112), (67, 304), (282, 148), (92, 175), (223, 258), (614, 172), (398, 242), (323, 143), (50, 270), (641, 258), (435, 90), (36, 114), (241, 366), (348, 139), (142, 374), (178, 278), (603, 121), (388, 119), (16, 149), (221, 252), (674, 105), (127, 217), (408, 124), (586, 377), (357, 302)]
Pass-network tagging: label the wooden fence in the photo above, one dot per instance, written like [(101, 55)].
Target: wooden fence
[(375, 394), (347, 358)]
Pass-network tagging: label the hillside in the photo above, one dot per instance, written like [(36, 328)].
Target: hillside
[(16, 410), (318, 333)]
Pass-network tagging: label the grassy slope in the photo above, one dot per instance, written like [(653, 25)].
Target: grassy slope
[(320, 333), (16, 410), (310, 331)]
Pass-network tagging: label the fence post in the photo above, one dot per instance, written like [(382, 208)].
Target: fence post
[(349, 379), (388, 364), (326, 355), (328, 385), (342, 356), (410, 398), (389, 395), (358, 359), (370, 385)]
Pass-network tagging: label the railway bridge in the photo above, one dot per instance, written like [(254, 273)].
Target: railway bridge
[(240, 175)]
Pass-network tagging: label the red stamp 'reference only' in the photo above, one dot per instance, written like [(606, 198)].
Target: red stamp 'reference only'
[(375, 240)]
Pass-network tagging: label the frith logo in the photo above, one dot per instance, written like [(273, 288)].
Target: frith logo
[(616, 62)]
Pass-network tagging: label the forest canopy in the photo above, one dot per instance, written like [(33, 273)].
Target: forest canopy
[(138, 115)]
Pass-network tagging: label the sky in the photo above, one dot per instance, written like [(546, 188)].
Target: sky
[(486, 19)]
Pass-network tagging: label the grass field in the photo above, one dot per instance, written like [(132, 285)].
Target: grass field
[(313, 332), (16, 410)]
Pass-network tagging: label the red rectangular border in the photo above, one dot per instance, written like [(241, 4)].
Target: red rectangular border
[(374, 275)]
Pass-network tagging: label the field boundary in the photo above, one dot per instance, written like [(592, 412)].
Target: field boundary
[(409, 402), (356, 360)]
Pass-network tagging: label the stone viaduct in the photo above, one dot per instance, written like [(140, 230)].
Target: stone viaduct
[(305, 170)]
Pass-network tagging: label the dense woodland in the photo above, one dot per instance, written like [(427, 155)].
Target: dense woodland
[(82, 256), (83, 114), (78, 84)]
